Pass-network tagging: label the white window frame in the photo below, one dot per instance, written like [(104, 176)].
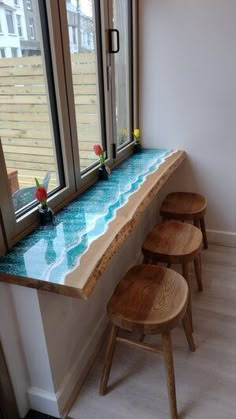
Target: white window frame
[(74, 37), (31, 28), (19, 25), (9, 13), (28, 4)]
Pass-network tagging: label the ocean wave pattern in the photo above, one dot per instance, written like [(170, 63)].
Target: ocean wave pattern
[(52, 251)]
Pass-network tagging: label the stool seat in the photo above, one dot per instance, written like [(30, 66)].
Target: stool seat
[(171, 240), (184, 205), (178, 243), (149, 299)]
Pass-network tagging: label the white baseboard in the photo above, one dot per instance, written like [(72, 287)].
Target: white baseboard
[(223, 238), (43, 401)]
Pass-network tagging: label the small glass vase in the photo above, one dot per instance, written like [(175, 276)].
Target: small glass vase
[(137, 148), (103, 173), (45, 215)]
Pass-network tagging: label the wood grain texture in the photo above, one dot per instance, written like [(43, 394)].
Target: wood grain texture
[(205, 380), (96, 259), (184, 206), (108, 359), (82, 280), (173, 242), (197, 266), (185, 272), (170, 376), (24, 115), (176, 242), (149, 299)]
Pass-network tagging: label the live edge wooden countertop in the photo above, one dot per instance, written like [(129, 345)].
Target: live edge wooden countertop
[(80, 282)]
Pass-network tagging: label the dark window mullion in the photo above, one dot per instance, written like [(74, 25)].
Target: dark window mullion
[(51, 92), (99, 47)]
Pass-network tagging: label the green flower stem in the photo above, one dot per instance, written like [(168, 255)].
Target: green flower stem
[(44, 204), (102, 158)]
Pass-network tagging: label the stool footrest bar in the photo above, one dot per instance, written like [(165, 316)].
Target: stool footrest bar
[(141, 345)]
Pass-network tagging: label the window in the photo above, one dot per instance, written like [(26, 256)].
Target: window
[(31, 28), (18, 20), (2, 53), (74, 35), (30, 135), (14, 52), (28, 4), (59, 103), (10, 24), (88, 39), (16, 3), (72, 18)]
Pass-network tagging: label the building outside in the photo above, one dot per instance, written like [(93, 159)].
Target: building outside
[(80, 28), (31, 44), (12, 28), (20, 28)]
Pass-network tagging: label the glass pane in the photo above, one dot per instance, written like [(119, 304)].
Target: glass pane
[(25, 115), (82, 38), (122, 72)]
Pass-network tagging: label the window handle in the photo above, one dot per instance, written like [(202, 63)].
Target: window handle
[(110, 33)]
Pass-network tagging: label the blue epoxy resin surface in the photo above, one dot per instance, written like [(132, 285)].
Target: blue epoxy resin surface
[(50, 252)]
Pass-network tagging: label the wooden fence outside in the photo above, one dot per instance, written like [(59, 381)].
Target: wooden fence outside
[(25, 127)]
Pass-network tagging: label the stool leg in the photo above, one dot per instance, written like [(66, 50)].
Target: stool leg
[(170, 376), (188, 332), (147, 260), (108, 359), (197, 266), (203, 228), (186, 276), (197, 223)]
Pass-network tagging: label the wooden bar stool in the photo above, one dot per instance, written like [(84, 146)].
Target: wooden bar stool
[(173, 242), (150, 300), (186, 206)]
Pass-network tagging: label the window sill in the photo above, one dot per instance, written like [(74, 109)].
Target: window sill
[(69, 260)]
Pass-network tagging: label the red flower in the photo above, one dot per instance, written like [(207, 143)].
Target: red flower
[(97, 149), (41, 194)]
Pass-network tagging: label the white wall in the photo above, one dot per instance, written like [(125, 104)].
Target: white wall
[(188, 96)]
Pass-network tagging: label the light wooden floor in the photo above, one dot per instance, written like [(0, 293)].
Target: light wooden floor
[(205, 380)]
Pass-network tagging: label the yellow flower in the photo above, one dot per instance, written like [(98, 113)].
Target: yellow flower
[(137, 133)]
